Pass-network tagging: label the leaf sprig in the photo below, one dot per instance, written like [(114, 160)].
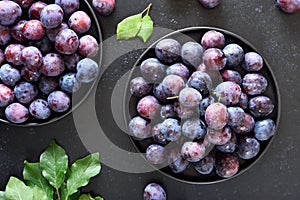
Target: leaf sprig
[(52, 179), (136, 26)]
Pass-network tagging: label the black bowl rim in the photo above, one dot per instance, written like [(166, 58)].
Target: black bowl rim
[(74, 107), (195, 28)]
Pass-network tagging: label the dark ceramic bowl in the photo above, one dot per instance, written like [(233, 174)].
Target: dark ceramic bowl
[(78, 97), (195, 34)]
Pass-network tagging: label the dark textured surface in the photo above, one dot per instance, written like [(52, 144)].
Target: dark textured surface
[(276, 176)]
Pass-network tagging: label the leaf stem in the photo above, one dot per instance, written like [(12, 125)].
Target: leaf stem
[(58, 195), (147, 9), (171, 98)]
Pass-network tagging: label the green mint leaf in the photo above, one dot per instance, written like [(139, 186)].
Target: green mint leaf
[(32, 173), (54, 164), (81, 172), (88, 197), (146, 28), (39, 194), (129, 27), (17, 190), (2, 195)]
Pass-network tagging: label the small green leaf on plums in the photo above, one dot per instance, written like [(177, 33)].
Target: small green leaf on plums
[(146, 28), (136, 26)]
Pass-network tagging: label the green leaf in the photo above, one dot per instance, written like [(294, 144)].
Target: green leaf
[(54, 164), (129, 27), (2, 195), (81, 172), (39, 194), (146, 28), (88, 197), (33, 175), (17, 190), (64, 193)]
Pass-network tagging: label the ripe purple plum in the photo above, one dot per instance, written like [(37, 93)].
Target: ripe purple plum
[(24, 3), (87, 70), (139, 87), (9, 75), (53, 65), (193, 151), (52, 16), (35, 10), (17, 31), (253, 62), (32, 58), (39, 109), (80, 22), (248, 148), (154, 191), (88, 46), (289, 6), (234, 54), (48, 84), (69, 6), (59, 101), (246, 126), (213, 39), (152, 69), (25, 92), (216, 116), (10, 12), (68, 83), (229, 93), (156, 154), (189, 97), (66, 42), (13, 53), (214, 59), (6, 95), (71, 61), (254, 84), (16, 113), (171, 129), (168, 51), (236, 116), (227, 165), (191, 54), (261, 106), (210, 3), (264, 129), (139, 128), (33, 30), (104, 7), (172, 85), (178, 69), (30, 76), (149, 107), (231, 75)]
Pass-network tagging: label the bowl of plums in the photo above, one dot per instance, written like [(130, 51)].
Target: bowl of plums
[(49, 56), (202, 105)]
